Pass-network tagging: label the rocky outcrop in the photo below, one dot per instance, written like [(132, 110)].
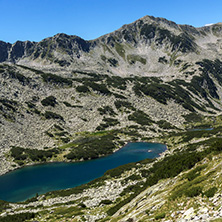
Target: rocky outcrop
[(4, 51)]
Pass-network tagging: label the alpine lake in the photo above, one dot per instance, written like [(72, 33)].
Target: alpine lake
[(24, 183)]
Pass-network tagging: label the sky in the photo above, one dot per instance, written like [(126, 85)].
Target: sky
[(35, 20)]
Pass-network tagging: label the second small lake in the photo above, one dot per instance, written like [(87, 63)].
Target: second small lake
[(24, 183), (201, 129)]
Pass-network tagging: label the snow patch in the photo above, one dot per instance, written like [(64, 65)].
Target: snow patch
[(209, 24)]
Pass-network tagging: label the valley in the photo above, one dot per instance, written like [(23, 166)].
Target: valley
[(65, 99)]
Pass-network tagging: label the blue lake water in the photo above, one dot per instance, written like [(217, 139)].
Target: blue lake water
[(24, 183), (201, 129)]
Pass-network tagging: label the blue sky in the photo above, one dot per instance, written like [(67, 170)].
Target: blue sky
[(35, 20)]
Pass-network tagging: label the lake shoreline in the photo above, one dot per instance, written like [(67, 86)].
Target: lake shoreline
[(7, 170), (91, 169)]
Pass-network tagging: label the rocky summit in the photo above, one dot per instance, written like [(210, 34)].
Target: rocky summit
[(68, 99)]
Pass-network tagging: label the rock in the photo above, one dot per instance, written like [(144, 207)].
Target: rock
[(188, 214), (203, 210), (3, 214)]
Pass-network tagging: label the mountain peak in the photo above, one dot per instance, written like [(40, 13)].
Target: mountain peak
[(146, 36)]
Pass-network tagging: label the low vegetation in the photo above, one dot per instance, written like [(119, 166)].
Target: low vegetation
[(49, 101), (18, 217), (107, 122), (210, 192), (55, 79), (120, 50), (132, 59), (82, 89), (106, 110), (52, 115), (9, 104), (160, 216), (140, 117), (165, 125), (3, 205), (92, 147), (121, 105), (21, 154), (18, 76)]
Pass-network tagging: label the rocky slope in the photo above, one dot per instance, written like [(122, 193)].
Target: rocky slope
[(63, 97)]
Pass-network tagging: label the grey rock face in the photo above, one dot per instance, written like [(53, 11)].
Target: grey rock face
[(142, 38), (17, 50), (4, 49)]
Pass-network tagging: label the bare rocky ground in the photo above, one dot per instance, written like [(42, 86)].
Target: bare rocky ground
[(24, 124)]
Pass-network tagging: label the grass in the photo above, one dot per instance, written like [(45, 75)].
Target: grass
[(160, 216), (194, 173), (132, 59), (217, 220), (69, 145), (68, 211), (120, 49), (169, 167), (210, 192), (18, 217), (193, 182), (3, 205)]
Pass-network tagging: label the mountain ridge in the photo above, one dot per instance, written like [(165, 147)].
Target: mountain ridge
[(67, 51)]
